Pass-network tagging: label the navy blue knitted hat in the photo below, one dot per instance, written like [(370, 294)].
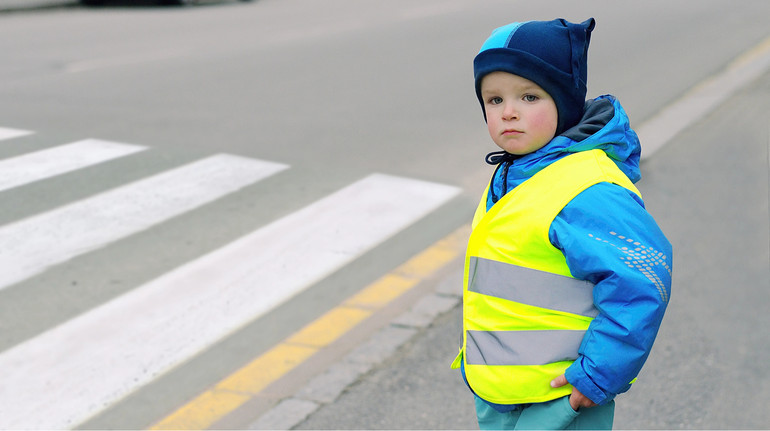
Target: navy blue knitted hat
[(552, 54)]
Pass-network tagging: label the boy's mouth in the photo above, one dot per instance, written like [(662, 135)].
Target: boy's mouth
[(511, 132)]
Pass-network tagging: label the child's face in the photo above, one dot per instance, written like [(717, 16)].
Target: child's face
[(521, 116)]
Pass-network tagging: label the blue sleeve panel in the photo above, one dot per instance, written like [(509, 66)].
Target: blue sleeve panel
[(609, 239)]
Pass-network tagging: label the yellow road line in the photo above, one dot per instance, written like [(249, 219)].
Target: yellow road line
[(244, 384)]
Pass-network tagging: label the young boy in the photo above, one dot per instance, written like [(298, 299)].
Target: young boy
[(567, 276)]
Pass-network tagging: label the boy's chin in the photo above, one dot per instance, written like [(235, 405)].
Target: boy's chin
[(521, 150)]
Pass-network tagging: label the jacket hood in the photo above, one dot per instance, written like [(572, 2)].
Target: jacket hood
[(604, 126)]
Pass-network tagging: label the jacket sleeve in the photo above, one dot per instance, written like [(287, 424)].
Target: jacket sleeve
[(610, 240)]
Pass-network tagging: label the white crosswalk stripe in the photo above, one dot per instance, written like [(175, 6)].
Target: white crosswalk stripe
[(43, 164), (6, 133), (36, 243), (91, 361)]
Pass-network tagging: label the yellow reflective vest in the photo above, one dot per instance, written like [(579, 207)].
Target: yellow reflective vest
[(524, 315)]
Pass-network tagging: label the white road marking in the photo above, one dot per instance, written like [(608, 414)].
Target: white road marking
[(124, 60), (33, 244), (75, 370), (6, 133), (703, 98), (43, 164)]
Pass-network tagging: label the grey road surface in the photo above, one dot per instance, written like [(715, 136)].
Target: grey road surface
[(340, 89)]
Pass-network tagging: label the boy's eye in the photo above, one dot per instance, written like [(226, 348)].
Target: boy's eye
[(495, 100), (530, 98)]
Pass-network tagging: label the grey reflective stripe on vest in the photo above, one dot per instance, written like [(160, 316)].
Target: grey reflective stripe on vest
[(531, 287), (521, 347)]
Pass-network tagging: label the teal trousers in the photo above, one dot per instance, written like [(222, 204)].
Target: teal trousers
[(551, 415)]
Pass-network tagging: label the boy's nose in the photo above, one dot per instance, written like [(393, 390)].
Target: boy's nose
[(510, 113)]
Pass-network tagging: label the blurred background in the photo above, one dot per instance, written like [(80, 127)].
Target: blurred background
[(184, 185)]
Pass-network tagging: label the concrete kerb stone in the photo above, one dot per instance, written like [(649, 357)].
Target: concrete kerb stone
[(426, 310), (285, 415), (328, 386), (383, 344), (325, 388), (451, 285)]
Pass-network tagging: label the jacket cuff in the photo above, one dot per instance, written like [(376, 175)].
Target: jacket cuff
[(578, 378)]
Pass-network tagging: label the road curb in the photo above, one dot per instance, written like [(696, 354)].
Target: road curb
[(329, 385), (703, 98)]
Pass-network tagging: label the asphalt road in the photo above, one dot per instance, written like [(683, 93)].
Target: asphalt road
[(336, 90)]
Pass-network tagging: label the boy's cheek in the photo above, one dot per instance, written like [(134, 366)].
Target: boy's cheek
[(492, 126), (544, 123)]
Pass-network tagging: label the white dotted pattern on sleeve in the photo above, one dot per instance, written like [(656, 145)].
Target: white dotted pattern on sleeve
[(643, 258)]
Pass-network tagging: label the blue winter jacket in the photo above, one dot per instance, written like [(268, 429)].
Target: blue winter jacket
[(609, 239)]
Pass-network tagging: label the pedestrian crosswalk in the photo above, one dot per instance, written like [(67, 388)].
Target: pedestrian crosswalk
[(86, 364)]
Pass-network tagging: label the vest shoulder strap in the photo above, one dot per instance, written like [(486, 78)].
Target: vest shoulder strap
[(557, 184), (524, 215)]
